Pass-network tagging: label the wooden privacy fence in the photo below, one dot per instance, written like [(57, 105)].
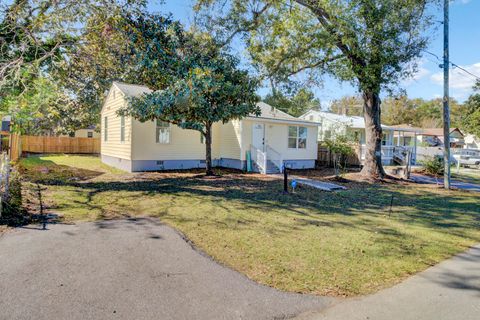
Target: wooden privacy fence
[(15, 146), (325, 157), (46, 144)]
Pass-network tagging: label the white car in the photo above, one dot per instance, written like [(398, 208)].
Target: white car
[(467, 157)]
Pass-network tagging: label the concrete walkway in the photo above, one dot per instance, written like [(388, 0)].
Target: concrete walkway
[(128, 269), (455, 183), (448, 291), (321, 185)]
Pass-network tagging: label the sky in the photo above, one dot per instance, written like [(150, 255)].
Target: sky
[(428, 82)]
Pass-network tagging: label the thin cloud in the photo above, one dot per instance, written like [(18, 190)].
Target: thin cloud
[(459, 79)]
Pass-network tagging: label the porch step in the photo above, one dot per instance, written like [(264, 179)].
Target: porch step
[(272, 168)]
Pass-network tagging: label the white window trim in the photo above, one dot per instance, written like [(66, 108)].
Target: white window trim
[(122, 129), (296, 138), (105, 128)]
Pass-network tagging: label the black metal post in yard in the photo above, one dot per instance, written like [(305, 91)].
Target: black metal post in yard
[(285, 180)]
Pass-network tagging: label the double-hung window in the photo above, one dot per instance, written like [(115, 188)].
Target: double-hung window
[(297, 137), (105, 129), (162, 132), (122, 128)]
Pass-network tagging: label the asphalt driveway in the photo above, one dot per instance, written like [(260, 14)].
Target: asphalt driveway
[(128, 269)]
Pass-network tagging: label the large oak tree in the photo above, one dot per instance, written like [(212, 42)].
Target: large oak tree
[(371, 43)]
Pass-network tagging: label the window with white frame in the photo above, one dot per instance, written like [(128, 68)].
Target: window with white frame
[(162, 132), (122, 128), (105, 128), (297, 137)]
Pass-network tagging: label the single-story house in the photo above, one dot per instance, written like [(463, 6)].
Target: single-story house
[(89, 132), (396, 139), (434, 137), (267, 142)]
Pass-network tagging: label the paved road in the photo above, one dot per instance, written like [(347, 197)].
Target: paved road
[(455, 183), (448, 291), (128, 269)]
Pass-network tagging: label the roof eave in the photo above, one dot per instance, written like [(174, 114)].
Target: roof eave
[(277, 120)]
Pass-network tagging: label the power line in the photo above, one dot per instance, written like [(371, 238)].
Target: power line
[(464, 70), (453, 64)]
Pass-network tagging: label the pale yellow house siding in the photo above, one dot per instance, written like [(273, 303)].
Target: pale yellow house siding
[(113, 146), (184, 144), (230, 139)]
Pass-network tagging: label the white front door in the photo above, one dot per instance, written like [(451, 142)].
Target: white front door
[(258, 136)]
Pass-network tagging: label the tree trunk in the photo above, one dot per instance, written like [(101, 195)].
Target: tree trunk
[(372, 168), (208, 149)]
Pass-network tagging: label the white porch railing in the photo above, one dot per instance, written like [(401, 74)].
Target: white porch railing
[(275, 157), (388, 152), (259, 158)]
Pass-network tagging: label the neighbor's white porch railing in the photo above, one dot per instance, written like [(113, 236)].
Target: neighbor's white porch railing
[(260, 158), (275, 157), (387, 152)]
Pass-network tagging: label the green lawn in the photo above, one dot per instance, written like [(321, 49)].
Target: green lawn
[(342, 243), (468, 175)]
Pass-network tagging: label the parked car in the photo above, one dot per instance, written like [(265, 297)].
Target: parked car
[(467, 157)]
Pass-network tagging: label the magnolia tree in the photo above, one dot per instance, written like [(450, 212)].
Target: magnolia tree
[(197, 83), (371, 43)]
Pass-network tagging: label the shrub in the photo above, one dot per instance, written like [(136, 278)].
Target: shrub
[(341, 148), (434, 165), (12, 212)]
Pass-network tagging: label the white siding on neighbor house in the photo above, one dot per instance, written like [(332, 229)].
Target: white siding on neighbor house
[(328, 128), (184, 144), (276, 136), (113, 146)]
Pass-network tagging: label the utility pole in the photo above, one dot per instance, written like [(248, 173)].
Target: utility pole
[(446, 109)]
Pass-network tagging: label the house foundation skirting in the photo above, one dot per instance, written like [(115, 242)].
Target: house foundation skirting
[(119, 163), (160, 165), (299, 164)]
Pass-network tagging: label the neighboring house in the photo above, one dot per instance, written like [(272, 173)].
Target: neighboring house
[(269, 141), (396, 139), (472, 142), (434, 137), (89, 132)]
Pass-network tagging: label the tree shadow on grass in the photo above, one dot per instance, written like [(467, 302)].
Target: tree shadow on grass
[(452, 214)]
